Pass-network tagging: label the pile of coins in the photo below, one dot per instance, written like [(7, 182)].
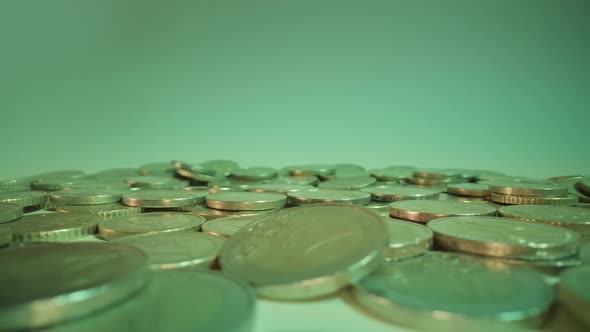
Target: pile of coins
[(178, 246)]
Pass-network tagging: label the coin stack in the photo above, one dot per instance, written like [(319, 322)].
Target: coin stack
[(177, 246)]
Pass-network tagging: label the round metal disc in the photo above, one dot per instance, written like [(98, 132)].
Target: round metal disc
[(399, 193), (574, 218), (227, 227), (348, 183), (24, 198), (10, 212), (85, 197), (574, 292), (315, 195), (426, 210), (149, 223), (246, 201), (468, 189), (528, 189), (406, 239), (54, 227), (163, 198)]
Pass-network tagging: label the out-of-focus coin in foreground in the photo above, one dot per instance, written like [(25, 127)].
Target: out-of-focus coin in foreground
[(312, 196), (148, 223), (574, 218), (54, 227), (406, 239), (574, 292), (314, 250), (246, 201), (227, 227), (177, 250), (157, 198), (43, 284), (399, 193), (185, 301), (85, 197), (446, 291), (426, 210), (10, 212), (504, 237)]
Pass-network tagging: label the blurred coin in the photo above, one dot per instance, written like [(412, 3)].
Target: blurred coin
[(178, 301), (574, 218), (315, 195), (504, 237), (468, 189), (148, 223), (444, 291), (278, 188), (532, 200), (85, 197), (245, 201), (220, 166), (155, 182), (527, 189), (5, 235), (106, 211), (348, 183), (254, 173), (156, 169), (210, 214), (16, 182), (391, 174), (426, 210), (54, 227), (96, 185), (452, 197), (177, 250), (71, 174), (44, 284), (406, 239), (433, 181), (227, 227), (398, 193), (313, 251), (23, 198), (295, 180), (10, 212), (345, 171), (310, 170), (54, 183), (437, 173), (117, 173), (196, 168), (157, 198), (379, 207), (574, 292)]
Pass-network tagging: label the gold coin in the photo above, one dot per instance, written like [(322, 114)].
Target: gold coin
[(528, 189), (406, 239), (449, 292), (348, 183), (310, 170), (148, 223), (574, 218), (584, 185), (308, 251), (426, 210), (399, 193), (468, 189), (54, 227), (312, 196), (155, 182), (504, 237), (532, 200), (278, 188), (227, 227), (574, 292), (439, 174), (433, 181), (177, 250), (246, 201), (85, 197), (158, 198), (44, 284), (106, 211)]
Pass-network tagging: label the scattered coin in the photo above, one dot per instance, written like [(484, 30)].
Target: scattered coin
[(584, 185), (574, 218), (297, 180), (220, 166), (16, 182), (574, 292), (52, 183), (312, 196), (348, 183), (10, 212), (254, 173), (399, 193), (278, 188), (437, 174), (310, 170), (406, 239), (313, 251), (528, 189), (51, 227), (158, 198), (177, 250), (106, 211), (97, 185), (445, 291), (65, 281), (392, 174), (468, 189), (345, 171), (210, 214), (85, 197), (227, 227), (24, 198), (379, 207), (504, 237), (433, 181), (533, 200), (426, 210), (117, 173), (245, 201), (156, 182), (148, 223)]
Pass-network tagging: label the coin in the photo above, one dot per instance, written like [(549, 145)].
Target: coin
[(163, 168), (574, 218), (254, 173), (10, 212), (278, 188), (406, 239), (192, 167), (437, 174), (148, 223), (16, 182), (96, 185), (504, 237), (527, 189), (574, 292), (398, 193), (210, 214), (310, 170), (220, 166), (426, 210), (379, 207), (52, 184), (295, 180), (308, 251), (315, 195), (392, 174), (532, 200), (85, 197), (433, 181), (245, 201), (444, 291), (106, 211), (227, 227), (117, 173), (24, 198), (157, 198), (177, 250), (584, 185), (345, 171), (44, 284), (155, 182), (179, 301), (468, 189), (54, 227), (348, 183)]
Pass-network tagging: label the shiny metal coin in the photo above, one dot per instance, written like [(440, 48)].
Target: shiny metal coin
[(426, 210), (158, 198), (148, 223), (245, 201), (312, 196)]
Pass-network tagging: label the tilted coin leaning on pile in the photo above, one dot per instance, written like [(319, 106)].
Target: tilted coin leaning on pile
[(186, 246)]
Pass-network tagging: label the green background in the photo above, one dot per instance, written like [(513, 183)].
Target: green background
[(477, 84)]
